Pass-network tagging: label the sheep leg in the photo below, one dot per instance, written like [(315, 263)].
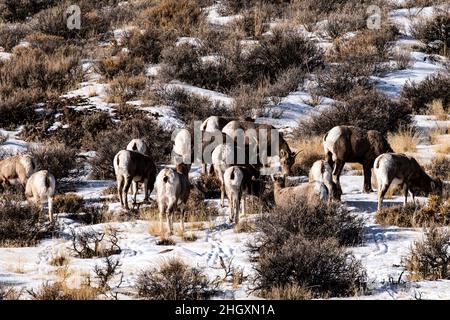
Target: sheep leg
[(367, 168), (222, 194), (120, 185), (383, 188), (182, 217), (50, 208), (337, 170), (128, 181), (170, 211), (146, 190), (405, 193), (134, 187), (161, 212)]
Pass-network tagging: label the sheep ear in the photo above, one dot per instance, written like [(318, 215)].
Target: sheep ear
[(282, 153)]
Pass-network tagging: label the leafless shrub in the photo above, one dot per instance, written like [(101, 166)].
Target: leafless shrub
[(429, 259), (12, 34), (9, 293), (434, 31), (191, 107), (56, 158), (13, 11), (45, 42), (174, 280), (20, 225), (106, 273), (111, 141), (123, 88), (90, 244), (371, 110), (183, 16), (435, 212), (312, 220), (123, 63), (402, 59), (68, 203), (434, 87), (320, 265), (440, 167)]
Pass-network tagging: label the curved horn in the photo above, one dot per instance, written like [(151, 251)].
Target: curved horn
[(297, 153)]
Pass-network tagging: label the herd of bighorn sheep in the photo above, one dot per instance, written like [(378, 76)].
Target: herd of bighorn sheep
[(238, 180)]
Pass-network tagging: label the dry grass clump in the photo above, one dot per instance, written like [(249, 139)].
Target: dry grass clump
[(288, 292), (436, 109), (181, 15), (68, 203), (123, 63), (124, 88), (404, 140), (429, 259), (173, 279), (440, 167), (311, 151), (435, 212)]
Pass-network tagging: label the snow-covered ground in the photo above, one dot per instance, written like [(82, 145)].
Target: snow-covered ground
[(381, 252)]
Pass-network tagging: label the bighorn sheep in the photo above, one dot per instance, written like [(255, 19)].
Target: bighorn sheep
[(288, 196), (352, 144), (137, 145), (16, 169), (172, 190), (226, 155), (400, 169), (133, 166), (239, 181), (253, 132), (40, 187), (183, 148), (321, 172)]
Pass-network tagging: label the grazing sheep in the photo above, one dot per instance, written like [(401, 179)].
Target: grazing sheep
[(133, 166), (352, 144), (400, 169), (182, 148), (40, 187), (239, 181), (137, 145), (288, 196), (16, 169), (172, 190), (321, 172), (253, 132)]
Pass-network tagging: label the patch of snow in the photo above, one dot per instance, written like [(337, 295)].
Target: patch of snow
[(214, 17), (195, 42)]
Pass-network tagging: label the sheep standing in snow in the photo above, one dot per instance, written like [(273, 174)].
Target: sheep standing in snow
[(287, 196), (16, 169), (40, 187), (240, 181), (172, 191), (182, 148), (133, 166), (353, 144), (321, 171), (137, 145), (400, 169)]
